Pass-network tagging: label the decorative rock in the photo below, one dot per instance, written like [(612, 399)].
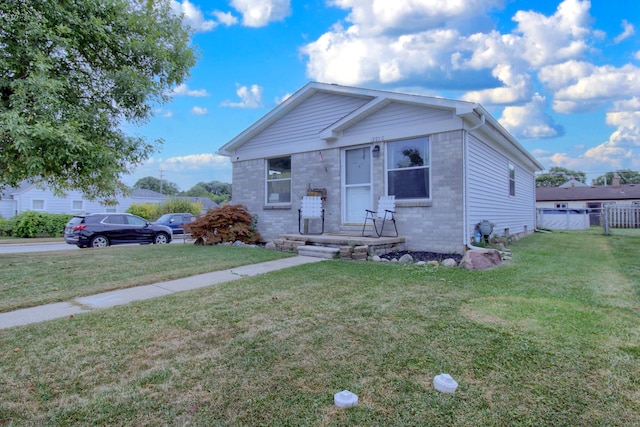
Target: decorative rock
[(270, 245), (406, 259), (480, 259), (421, 263), (449, 262), (238, 243), (394, 260), (375, 258), (433, 263)]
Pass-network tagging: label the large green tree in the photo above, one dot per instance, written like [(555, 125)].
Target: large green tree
[(217, 191), (556, 176), (161, 186), (627, 176), (71, 74)]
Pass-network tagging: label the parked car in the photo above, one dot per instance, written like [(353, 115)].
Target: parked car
[(101, 230), (176, 221)]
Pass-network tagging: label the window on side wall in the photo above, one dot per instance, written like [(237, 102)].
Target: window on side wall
[(512, 179), (76, 205), (37, 205), (279, 180), (408, 169)]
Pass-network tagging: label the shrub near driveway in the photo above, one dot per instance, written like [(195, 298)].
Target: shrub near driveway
[(551, 338)]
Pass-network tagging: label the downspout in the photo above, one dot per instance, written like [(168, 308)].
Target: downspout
[(464, 173)]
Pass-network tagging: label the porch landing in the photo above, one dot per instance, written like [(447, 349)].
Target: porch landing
[(375, 245)]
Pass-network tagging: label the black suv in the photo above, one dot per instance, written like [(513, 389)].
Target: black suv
[(101, 230)]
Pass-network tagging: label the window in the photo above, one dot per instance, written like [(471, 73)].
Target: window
[(76, 205), (512, 179), (279, 180), (408, 168), (561, 206), (37, 205)]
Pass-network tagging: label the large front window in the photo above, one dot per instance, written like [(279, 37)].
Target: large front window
[(279, 180), (408, 168)]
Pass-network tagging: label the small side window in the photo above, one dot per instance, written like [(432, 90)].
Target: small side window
[(37, 205), (512, 179)]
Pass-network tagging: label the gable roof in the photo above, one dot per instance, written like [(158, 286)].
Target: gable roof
[(474, 115), (596, 193)]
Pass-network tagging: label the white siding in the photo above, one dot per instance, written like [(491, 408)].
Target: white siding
[(53, 204), (488, 190), (300, 128), (400, 120)]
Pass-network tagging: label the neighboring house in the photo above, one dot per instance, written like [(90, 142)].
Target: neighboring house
[(28, 197), (589, 198), (449, 164)]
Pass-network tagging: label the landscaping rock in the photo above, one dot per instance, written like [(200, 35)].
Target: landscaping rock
[(480, 259), (406, 259), (375, 258), (449, 262), (433, 263), (271, 245)]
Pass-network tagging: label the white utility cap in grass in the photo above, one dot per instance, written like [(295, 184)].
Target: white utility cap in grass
[(345, 399), (444, 383)]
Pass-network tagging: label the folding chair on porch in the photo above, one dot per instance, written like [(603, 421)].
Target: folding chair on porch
[(386, 212), (311, 209)]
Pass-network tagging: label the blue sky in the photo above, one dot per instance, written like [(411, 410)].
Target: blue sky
[(562, 76)]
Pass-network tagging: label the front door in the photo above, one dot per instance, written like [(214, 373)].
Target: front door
[(356, 183)]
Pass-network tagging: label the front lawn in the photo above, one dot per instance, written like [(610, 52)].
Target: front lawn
[(29, 279), (549, 339)]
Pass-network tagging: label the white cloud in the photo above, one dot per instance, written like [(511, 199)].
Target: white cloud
[(280, 100), (258, 13), (627, 31), (225, 18), (559, 37), (194, 162), (185, 171), (580, 86), (192, 16), (199, 111), (530, 120), (183, 89), (250, 97), (517, 87)]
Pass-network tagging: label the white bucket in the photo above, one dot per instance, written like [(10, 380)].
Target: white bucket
[(345, 398), (444, 383)]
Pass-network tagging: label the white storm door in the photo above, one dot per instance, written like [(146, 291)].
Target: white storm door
[(356, 184)]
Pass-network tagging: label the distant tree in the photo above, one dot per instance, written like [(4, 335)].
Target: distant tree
[(627, 176), (71, 72), (556, 176), (217, 191), (155, 184)]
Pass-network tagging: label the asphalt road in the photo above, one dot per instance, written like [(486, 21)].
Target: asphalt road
[(14, 248)]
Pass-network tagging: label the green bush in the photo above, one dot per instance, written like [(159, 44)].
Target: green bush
[(153, 211), (148, 211), (6, 227), (37, 224), (181, 205)]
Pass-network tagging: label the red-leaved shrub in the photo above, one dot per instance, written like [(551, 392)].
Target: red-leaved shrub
[(228, 223)]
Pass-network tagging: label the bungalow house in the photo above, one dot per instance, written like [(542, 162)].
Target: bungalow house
[(449, 164), (29, 197), (587, 199)]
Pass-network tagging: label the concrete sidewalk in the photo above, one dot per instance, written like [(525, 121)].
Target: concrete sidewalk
[(125, 296)]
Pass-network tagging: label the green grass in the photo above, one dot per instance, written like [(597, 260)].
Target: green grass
[(549, 339), (32, 279)]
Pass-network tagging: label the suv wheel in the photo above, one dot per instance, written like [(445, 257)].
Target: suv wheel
[(161, 239), (99, 242)]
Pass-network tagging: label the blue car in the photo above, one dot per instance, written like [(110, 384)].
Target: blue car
[(175, 221)]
